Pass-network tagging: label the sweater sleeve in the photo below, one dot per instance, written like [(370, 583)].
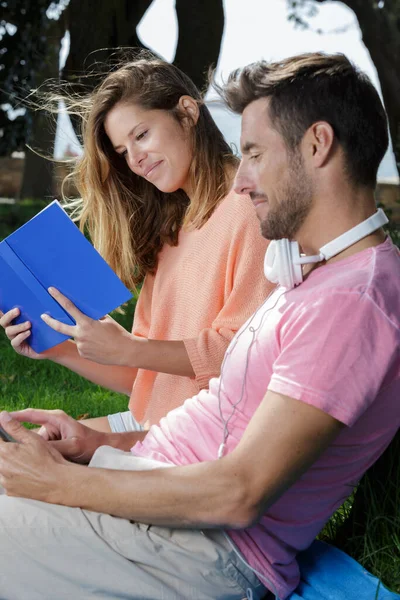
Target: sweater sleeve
[(142, 316), (245, 289)]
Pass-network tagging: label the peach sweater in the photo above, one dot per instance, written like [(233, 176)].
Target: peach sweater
[(204, 289)]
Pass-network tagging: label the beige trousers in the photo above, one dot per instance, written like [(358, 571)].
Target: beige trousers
[(51, 552)]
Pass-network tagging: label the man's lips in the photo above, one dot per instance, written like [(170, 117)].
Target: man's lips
[(151, 167), (258, 201)]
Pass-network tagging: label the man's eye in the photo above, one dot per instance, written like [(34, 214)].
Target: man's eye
[(141, 135), (254, 156)]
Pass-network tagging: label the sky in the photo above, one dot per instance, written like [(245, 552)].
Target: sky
[(254, 30)]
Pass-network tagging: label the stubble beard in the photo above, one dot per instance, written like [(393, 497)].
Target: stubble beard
[(285, 219)]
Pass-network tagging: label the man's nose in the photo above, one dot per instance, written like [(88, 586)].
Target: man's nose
[(242, 183)]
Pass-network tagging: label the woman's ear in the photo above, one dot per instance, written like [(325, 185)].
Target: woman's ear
[(189, 109)]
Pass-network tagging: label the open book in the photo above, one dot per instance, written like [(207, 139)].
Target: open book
[(50, 251)]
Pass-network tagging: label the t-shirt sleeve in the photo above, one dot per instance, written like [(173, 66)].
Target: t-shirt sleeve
[(334, 354), (245, 289)]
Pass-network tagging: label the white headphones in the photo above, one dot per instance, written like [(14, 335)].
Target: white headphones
[(282, 263)]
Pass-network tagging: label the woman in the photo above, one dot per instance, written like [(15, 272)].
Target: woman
[(155, 180)]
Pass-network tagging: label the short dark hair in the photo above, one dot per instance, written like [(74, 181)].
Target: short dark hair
[(315, 87)]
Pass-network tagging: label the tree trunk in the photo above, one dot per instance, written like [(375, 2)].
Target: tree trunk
[(37, 181), (380, 28), (38, 171), (113, 24), (201, 27)]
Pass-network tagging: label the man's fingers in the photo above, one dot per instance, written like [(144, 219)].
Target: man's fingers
[(67, 304), (15, 429), (70, 448), (39, 416)]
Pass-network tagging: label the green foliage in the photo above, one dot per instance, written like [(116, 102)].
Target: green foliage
[(13, 216), (367, 526), (392, 228)]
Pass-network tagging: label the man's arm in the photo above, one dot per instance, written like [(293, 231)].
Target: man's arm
[(283, 439)]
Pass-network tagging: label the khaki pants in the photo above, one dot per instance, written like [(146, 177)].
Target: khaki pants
[(51, 552)]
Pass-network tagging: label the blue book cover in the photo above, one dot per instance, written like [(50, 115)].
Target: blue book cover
[(50, 251)]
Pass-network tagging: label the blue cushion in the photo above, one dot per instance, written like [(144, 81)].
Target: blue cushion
[(329, 574)]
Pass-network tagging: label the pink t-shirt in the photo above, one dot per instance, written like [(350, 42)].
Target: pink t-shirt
[(333, 342)]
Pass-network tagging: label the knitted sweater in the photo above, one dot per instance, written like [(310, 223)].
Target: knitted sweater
[(204, 289)]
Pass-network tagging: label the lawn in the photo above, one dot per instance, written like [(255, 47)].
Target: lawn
[(375, 544), (42, 383)]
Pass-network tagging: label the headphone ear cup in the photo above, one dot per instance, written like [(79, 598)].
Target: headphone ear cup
[(271, 267), (280, 263), (297, 271), (285, 264)]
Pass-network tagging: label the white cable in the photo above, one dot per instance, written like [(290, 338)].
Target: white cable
[(222, 446)]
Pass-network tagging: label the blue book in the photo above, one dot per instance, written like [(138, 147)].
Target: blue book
[(50, 251)]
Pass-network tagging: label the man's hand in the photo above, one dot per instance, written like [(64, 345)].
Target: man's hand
[(70, 438), (30, 468), (104, 341)]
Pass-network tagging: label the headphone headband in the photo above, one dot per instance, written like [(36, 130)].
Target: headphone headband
[(357, 233)]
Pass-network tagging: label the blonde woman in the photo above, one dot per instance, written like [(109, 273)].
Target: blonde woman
[(155, 182)]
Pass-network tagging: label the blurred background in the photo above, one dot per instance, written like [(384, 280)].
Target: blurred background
[(42, 39)]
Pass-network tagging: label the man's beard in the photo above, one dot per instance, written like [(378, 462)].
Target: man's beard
[(285, 219)]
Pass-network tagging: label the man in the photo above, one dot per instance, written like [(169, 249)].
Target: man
[(306, 402)]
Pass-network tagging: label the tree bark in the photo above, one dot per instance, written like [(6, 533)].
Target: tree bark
[(201, 28), (38, 171), (380, 28), (108, 24)]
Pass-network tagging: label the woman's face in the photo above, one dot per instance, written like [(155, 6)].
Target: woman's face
[(154, 144)]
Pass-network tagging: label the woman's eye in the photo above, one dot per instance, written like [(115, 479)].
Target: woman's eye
[(141, 135), (124, 154), (254, 156)]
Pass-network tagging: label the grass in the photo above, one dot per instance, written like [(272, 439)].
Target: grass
[(367, 526), (43, 384)]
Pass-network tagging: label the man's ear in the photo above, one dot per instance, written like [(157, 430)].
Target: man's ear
[(189, 109), (318, 142)]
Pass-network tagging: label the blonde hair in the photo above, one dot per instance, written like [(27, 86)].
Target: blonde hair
[(129, 219)]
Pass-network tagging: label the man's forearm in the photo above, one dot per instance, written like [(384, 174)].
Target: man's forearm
[(196, 496)]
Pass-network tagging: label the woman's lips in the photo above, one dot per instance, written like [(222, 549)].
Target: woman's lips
[(151, 168)]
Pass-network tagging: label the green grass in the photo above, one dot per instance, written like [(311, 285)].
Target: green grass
[(43, 384), (368, 525)]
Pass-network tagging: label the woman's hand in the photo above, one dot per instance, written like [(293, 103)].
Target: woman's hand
[(31, 468), (104, 341), (19, 334), (68, 437)]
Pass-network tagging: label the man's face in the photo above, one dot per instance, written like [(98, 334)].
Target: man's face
[(273, 176)]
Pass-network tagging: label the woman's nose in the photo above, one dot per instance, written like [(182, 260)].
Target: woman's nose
[(135, 158)]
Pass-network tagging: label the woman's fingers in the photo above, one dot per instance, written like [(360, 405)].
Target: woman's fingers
[(20, 338), (14, 330), (67, 305), (8, 317), (58, 326)]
